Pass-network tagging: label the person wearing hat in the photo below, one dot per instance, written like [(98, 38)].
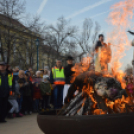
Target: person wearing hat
[(29, 73), (68, 75), (6, 90)]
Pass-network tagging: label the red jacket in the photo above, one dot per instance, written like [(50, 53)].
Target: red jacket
[(30, 78), (37, 93)]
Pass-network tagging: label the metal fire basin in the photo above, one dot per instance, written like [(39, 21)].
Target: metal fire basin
[(91, 124)]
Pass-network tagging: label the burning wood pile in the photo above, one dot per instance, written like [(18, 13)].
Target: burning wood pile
[(97, 95)]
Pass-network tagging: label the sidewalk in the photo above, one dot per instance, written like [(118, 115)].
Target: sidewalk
[(24, 125)]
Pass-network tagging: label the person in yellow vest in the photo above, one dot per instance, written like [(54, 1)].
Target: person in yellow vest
[(57, 79), (6, 90)]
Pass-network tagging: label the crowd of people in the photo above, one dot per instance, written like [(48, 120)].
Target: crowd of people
[(24, 92)]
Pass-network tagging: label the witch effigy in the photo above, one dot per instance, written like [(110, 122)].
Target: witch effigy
[(103, 55)]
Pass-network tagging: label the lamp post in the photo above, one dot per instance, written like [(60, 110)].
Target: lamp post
[(37, 44)]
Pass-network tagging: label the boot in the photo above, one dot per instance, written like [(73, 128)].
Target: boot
[(10, 116)]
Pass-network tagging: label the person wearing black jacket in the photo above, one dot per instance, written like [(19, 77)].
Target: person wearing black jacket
[(27, 91), (68, 75), (6, 89)]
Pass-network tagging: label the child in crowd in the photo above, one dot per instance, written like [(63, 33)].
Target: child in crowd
[(29, 74), (46, 73), (36, 97), (27, 95), (21, 75), (13, 101), (45, 88)]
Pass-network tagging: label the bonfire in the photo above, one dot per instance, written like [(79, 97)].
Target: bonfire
[(104, 92), (97, 94)]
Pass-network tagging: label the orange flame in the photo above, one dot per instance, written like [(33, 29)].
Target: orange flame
[(120, 18)]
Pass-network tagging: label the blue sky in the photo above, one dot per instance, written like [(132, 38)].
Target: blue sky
[(77, 11)]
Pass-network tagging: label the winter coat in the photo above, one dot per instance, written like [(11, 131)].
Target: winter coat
[(68, 73), (27, 89), (45, 88)]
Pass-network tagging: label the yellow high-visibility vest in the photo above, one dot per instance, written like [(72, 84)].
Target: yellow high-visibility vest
[(10, 78), (58, 76)]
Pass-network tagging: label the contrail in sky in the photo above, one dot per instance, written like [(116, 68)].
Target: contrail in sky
[(85, 9), (105, 11), (42, 5), (100, 14)]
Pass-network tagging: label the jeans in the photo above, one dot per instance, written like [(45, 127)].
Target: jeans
[(3, 107), (15, 106), (58, 96), (36, 104)]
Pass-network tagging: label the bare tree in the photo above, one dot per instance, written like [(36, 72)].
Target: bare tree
[(87, 38), (11, 12), (59, 40), (61, 34)]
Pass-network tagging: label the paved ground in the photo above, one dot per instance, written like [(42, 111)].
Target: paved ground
[(24, 125)]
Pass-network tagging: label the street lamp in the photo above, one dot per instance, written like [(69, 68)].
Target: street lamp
[(37, 44)]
